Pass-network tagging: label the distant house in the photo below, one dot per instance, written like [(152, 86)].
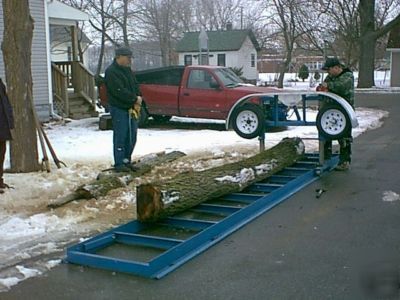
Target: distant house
[(393, 47), (51, 81), (313, 62), (270, 60), (230, 48)]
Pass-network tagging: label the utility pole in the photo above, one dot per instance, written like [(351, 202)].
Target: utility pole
[(325, 57), (203, 47), (241, 17)]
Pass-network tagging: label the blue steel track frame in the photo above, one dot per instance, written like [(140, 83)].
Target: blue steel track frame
[(276, 189)]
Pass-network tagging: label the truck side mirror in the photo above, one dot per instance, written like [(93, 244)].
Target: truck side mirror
[(214, 85)]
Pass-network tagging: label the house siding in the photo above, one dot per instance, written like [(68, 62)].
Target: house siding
[(238, 59), (244, 59), (395, 69), (39, 64)]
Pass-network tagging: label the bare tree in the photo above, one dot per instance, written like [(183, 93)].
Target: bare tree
[(120, 15), (159, 20), (16, 47), (284, 18), (351, 30), (100, 10), (369, 33), (114, 19), (215, 15)]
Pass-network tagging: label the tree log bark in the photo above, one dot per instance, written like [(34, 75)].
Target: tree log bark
[(160, 200), (107, 181)]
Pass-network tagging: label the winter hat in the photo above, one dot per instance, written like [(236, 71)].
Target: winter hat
[(331, 62), (123, 51)]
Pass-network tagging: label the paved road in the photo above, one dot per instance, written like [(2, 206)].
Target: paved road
[(306, 248)]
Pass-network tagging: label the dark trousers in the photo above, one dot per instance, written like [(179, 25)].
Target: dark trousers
[(124, 135), (2, 157), (344, 151)]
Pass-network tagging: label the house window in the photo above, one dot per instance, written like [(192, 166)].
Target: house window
[(221, 60), (253, 60), (188, 60), (204, 59)]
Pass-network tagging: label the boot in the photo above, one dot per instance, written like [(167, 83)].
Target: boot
[(343, 166)]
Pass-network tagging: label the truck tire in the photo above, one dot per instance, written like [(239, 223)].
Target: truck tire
[(161, 119), (333, 122), (248, 121)]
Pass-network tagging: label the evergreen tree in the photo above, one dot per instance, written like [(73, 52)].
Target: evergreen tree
[(303, 72)]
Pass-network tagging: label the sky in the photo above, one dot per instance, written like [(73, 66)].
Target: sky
[(33, 237)]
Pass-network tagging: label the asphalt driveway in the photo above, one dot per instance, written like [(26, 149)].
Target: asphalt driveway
[(343, 245)]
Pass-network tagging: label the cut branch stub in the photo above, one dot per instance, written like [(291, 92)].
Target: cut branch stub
[(107, 181)]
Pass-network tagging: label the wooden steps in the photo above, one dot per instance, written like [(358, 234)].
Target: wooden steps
[(79, 108)]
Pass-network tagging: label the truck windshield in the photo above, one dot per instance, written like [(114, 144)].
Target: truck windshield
[(228, 77)]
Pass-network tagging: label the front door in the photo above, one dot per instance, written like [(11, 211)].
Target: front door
[(202, 97)]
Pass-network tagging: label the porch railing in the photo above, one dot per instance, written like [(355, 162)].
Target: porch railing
[(80, 79), (66, 68), (60, 90), (83, 82)]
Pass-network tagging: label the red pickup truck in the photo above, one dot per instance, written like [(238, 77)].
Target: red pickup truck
[(207, 92)]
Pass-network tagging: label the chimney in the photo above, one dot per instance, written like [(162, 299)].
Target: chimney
[(229, 26)]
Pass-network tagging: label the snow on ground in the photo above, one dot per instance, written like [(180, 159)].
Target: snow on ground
[(291, 80), (33, 237), (390, 196)]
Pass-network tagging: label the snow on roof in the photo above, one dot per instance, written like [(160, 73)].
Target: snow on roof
[(62, 13)]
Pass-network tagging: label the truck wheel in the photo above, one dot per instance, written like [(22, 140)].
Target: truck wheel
[(248, 121), (144, 117), (161, 119), (333, 122)]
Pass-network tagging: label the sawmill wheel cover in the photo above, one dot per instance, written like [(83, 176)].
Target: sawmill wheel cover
[(248, 121), (333, 122)]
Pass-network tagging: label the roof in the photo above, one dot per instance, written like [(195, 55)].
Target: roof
[(394, 38), (60, 13), (224, 40), (62, 34)]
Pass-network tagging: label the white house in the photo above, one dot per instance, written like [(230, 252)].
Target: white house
[(230, 48), (44, 13)]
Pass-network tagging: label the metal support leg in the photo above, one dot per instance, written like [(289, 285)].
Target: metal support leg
[(321, 152), (261, 138)]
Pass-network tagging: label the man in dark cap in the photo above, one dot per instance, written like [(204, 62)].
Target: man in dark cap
[(123, 94), (6, 124), (340, 81)]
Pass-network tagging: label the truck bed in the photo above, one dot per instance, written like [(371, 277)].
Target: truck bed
[(161, 76), (160, 89)]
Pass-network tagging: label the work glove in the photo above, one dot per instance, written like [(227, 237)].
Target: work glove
[(135, 110), (322, 88)]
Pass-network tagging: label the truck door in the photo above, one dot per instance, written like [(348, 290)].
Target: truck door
[(202, 97)]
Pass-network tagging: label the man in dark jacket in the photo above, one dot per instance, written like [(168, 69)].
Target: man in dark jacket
[(123, 93), (6, 124), (340, 81)]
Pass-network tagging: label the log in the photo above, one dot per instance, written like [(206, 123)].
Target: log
[(110, 180), (159, 200)]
